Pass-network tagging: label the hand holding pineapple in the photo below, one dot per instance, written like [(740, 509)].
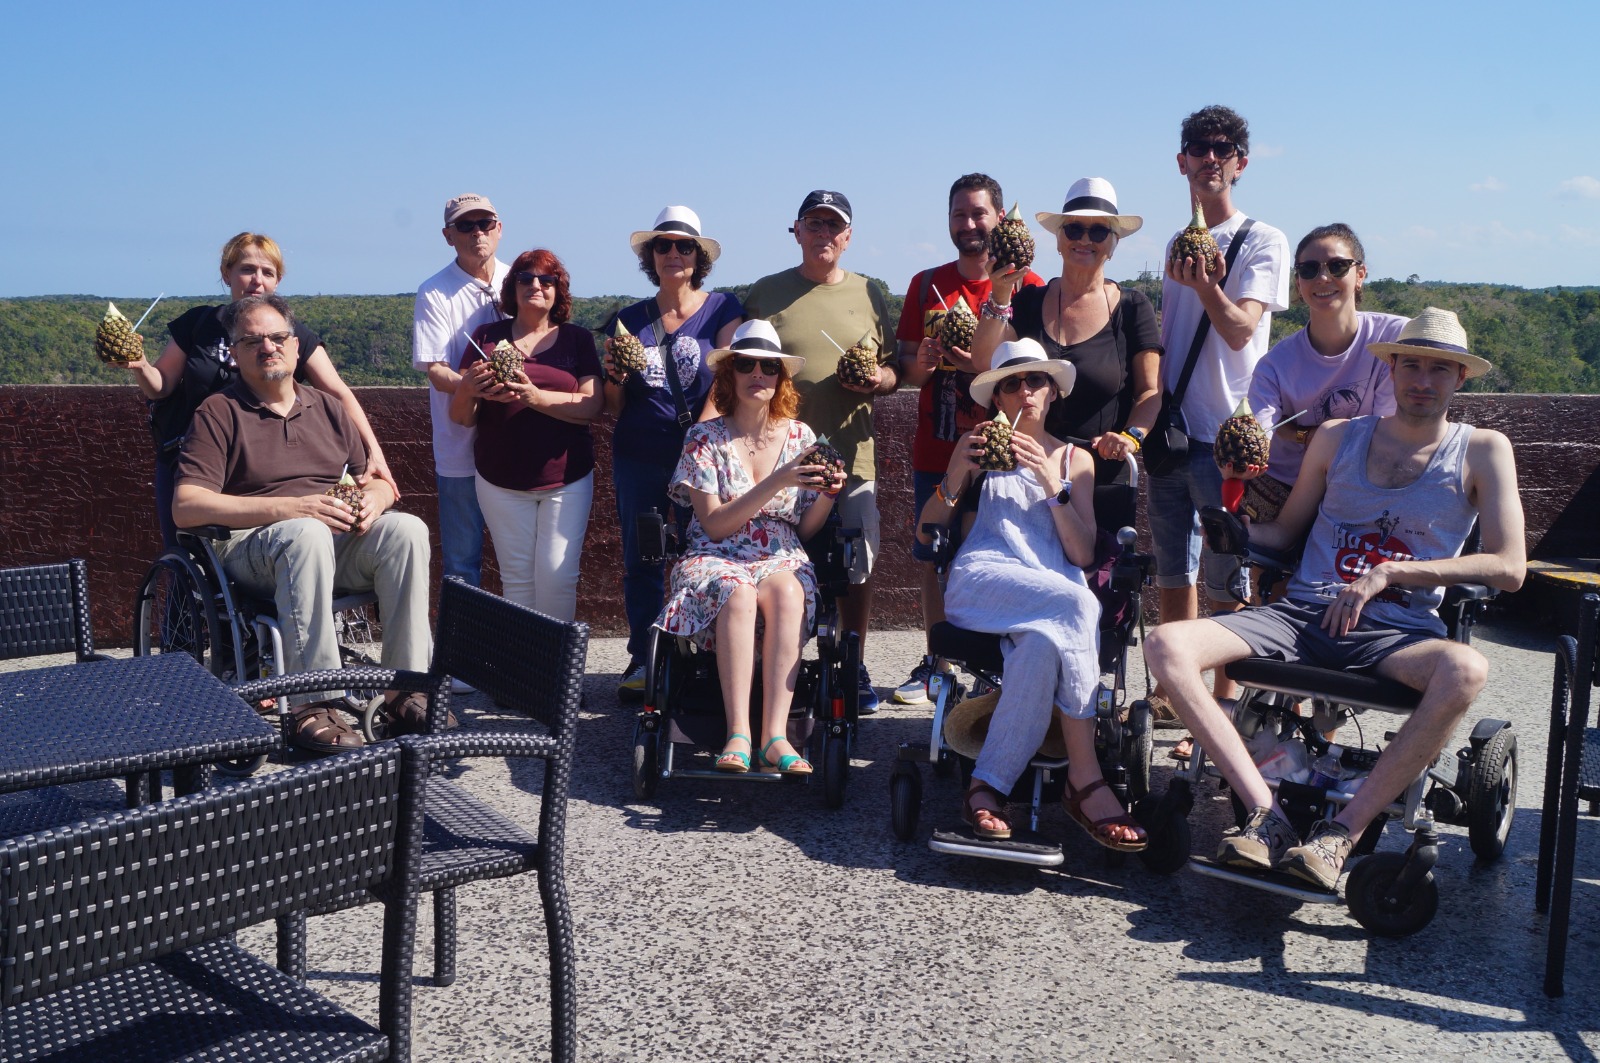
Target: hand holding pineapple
[(1195, 260)]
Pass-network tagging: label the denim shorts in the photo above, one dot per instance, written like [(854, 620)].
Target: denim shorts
[(922, 485), (1175, 502), (858, 508)]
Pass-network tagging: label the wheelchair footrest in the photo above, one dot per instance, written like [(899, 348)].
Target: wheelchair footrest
[(1023, 847), (1279, 882)]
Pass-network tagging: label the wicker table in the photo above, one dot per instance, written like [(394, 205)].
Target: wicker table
[(128, 718)]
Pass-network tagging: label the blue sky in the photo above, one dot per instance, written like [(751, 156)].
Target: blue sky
[(1461, 140)]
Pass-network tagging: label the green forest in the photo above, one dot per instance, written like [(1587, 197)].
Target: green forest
[(1542, 340)]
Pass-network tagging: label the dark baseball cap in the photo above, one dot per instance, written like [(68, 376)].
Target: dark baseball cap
[(834, 201)]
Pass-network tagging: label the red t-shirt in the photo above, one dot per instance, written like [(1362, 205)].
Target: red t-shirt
[(522, 449), (945, 410)]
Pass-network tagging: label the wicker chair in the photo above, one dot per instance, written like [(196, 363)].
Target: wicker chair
[(118, 931), (1571, 779), (526, 662)]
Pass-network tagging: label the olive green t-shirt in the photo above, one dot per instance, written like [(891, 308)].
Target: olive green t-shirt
[(801, 311)]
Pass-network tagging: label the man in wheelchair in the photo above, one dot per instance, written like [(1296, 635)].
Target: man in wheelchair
[(260, 459), (1390, 502)]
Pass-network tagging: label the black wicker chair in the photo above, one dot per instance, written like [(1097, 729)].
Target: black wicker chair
[(118, 931), (45, 609), (525, 662), (1571, 779)]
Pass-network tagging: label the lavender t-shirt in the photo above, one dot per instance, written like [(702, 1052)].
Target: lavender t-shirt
[(1293, 377)]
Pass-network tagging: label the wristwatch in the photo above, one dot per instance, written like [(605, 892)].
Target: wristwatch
[(1062, 497), (1134, 432)]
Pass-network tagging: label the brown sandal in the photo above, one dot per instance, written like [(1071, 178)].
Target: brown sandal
[(406, 714), (972, 814), (1072, 800), (318, 728)]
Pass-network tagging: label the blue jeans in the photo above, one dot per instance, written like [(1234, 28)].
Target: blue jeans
[(922, 485), (640, 487), (166, 484), (460, 527), (1175, 502)]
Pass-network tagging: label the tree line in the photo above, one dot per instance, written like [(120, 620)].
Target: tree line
[(1541, 340)]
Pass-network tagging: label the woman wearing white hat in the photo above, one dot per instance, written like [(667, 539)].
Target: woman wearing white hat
[(1019, 573), (754, 506), (678, 327), (1109, 334)]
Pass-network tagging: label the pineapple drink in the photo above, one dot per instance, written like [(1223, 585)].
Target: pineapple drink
[(1010, 244), (997, 454), (348, 492), (1196, 242), (1242, 444), (627, 353), (115, 341)]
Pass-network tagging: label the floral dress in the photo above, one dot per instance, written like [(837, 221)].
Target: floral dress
[(710, 569)]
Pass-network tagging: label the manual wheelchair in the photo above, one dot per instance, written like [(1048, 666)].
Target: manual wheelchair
[(1124, 734), (186, 604), (683, 693), (1390, 894)]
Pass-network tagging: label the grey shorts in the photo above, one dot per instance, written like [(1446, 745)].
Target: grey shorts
[(858, 508), (1292, 632)]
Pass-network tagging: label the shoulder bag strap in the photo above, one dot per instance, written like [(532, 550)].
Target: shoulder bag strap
[(1204, 327), (669, 364)]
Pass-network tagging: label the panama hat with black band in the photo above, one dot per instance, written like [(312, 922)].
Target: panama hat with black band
[(1092, 201), (1016, 357), (1434, 333), (680, 222), (756, 339)]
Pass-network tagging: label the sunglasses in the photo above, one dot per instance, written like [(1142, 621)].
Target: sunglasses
[(817, 226), (1035, 381), (1222, 149), (1337, 267), (1097, 233), (769, 366), (525, 277), (255, 343), (476, 225), (662, 245)]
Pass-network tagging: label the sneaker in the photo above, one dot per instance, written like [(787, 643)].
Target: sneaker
[(1260, 843), (914, 691), (867, 701), (632, 686), (461, 686), (1321, 858)]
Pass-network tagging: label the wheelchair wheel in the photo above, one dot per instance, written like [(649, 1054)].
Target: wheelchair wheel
[(646, 762), (174, 613), (1370, 881), (359, 635), (1138, 749), (835, 768), (905, 800), (1491, 796)]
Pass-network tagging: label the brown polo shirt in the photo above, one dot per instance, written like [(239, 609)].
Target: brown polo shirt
[(237, 446)]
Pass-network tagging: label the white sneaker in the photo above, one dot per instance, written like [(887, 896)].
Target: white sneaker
[(461, 686), (914, 691)]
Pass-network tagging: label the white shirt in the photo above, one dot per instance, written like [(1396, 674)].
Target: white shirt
[(450, 304), (1222, 375)]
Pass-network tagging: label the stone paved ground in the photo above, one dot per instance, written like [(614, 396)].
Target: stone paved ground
[(747, 922)]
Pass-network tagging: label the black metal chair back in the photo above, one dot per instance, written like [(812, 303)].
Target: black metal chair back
[(45, 609)]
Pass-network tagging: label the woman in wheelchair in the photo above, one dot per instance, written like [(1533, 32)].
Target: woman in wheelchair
[(1019, 573), (754, 506)]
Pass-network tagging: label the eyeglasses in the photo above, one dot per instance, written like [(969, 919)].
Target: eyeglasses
[(662, 245), (816, 226), (769, 366), (1311, 269), (523, 276), (1222, 149), (1035, 382), (255, 343), (476, 225), (1097, 233)]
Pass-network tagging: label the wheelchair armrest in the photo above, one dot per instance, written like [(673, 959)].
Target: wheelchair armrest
[(651, 531), (1470, 592), (941, 542), (214, 532)]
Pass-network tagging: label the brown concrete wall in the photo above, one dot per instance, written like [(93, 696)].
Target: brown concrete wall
[(75, 481)]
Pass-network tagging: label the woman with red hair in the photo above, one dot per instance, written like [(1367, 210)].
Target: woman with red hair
[(534, 453), (754, 506)]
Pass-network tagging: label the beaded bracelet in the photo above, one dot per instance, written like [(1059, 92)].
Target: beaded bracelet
[(994, 310), (1132, 439), (938, 490)]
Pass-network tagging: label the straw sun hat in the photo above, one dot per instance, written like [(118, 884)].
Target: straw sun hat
[(676, 221), (1015, 357), (1434, 333), (756, 339), (967, 725), (1090, 201)]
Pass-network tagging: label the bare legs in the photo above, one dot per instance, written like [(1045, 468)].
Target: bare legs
[(780, 602)]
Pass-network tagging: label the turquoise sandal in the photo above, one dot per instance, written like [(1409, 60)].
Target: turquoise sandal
[(727, 762), (788, 764)]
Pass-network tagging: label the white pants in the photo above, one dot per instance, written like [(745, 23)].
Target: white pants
[(538, 540)]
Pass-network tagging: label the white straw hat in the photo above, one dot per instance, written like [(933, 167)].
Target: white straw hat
[(756, 339), (676, 221), (1434, 333), (1021, 356), (1092, 200), (967, 726)]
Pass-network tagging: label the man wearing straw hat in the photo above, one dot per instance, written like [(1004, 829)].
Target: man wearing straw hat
[(945, 412), (1389, 502), (818, 309)]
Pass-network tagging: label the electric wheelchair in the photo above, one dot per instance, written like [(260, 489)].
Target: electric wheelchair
[(1124, 734), (1390, 894), (683, 711), (186, 604)]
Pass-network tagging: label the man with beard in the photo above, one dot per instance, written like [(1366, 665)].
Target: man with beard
[(945, 412), (1389, 502), (260, 458)]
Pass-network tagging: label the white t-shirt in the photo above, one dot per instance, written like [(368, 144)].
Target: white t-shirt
[(1222, 375), (1294, 377), (450, 304)]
